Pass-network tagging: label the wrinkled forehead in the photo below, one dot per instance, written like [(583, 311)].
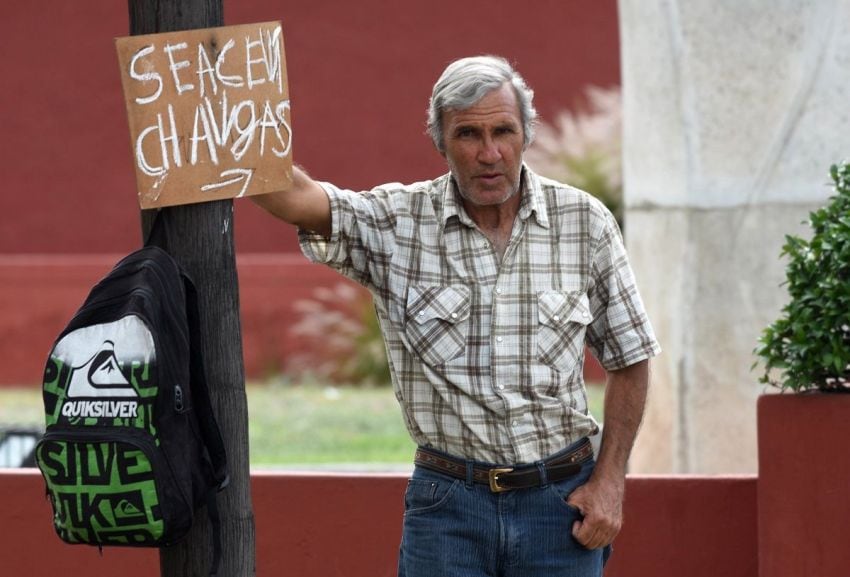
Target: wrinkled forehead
[(499, 105)]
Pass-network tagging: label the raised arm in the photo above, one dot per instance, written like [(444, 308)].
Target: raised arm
[(306, 205)]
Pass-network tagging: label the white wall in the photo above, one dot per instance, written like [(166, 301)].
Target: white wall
[(733, 112)]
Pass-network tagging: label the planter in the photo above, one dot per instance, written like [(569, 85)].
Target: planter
[(804, 485)]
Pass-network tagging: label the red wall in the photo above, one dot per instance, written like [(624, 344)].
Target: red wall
[(40, 293), (804, 476), (322, 525), (360, 75), (688, 527)]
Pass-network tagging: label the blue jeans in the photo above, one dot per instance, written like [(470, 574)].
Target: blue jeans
[(454, 528)]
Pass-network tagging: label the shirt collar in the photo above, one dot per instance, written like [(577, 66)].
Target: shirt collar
[(533, 200)]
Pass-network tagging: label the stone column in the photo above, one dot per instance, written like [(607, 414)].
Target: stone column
[(733, 112)]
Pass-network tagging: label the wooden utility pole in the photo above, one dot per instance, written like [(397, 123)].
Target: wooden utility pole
[(200, 237)]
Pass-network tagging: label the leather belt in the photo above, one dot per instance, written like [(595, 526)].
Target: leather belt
[(502, 479)]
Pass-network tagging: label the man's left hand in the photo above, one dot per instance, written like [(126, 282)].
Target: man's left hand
[(600, 501)]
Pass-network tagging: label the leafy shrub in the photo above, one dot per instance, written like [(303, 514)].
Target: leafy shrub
[(346, 345), (808, 347)]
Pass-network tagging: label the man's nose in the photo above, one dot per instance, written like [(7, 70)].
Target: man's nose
[(489, 152)]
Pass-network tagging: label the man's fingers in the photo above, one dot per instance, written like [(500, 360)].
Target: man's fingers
[(578, 532), (592, 536), (600, 516), (585, 534), (582, 531), (574, 499)]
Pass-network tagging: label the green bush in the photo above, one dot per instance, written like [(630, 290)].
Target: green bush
[(808, 347)]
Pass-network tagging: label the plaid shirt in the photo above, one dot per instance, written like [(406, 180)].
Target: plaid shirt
[(486, 357)]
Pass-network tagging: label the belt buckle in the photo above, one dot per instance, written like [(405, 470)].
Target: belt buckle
[(493, 476)]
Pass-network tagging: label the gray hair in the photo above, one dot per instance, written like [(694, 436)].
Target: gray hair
[(466, 81)]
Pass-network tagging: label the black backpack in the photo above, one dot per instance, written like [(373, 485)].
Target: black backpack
[(131, 448)]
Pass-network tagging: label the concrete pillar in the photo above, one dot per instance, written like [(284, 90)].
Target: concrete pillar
[(733, 112)]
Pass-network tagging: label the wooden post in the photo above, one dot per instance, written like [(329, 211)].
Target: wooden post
[(200, 237)]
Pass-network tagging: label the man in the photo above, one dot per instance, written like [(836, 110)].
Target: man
[(488, 282)]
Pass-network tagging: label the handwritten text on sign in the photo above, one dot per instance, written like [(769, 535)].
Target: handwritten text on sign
[(209, 113)]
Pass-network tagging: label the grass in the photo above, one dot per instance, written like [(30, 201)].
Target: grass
[(298, 426), (318, 425), (21, 407)]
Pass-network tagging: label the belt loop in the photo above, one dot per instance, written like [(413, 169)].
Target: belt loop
[(544, 478), (470, 473)]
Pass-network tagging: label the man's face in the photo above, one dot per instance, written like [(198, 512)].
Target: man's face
[(483, 147)]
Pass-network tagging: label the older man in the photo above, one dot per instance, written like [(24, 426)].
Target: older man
[(488, 283)]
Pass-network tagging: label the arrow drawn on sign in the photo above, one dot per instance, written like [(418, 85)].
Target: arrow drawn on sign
[(241, 174)]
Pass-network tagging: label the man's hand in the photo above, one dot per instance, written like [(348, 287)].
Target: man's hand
[(600, 500), (601, 504)]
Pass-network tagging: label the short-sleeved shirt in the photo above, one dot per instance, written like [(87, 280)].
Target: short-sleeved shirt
[(486, 356)]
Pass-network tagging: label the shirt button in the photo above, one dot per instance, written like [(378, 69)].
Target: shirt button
[(498, 291), (501, 387), (514, 423), (556, 318), (454, 315), (498, 339), (421, 313)]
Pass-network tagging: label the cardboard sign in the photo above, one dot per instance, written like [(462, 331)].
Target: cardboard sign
[(208, 112)]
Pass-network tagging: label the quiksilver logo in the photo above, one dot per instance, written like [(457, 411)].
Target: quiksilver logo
[(98, 384), (100, 409)]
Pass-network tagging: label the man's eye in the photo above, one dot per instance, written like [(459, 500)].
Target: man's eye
[(464, 132)]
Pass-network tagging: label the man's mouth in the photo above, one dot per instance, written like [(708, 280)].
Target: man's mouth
[(489, 177)]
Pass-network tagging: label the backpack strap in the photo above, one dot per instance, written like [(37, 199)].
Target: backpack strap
[(201, 403), (215, 523), (200, 391), (206, 420), (156, 235)]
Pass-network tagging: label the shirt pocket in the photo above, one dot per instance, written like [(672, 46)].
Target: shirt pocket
[(437, 322), (562, 321)]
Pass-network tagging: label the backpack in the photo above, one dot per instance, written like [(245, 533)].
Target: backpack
[(131, 448)]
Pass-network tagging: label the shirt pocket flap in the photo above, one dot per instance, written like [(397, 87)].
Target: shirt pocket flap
[(447, 303), (557, 308)]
